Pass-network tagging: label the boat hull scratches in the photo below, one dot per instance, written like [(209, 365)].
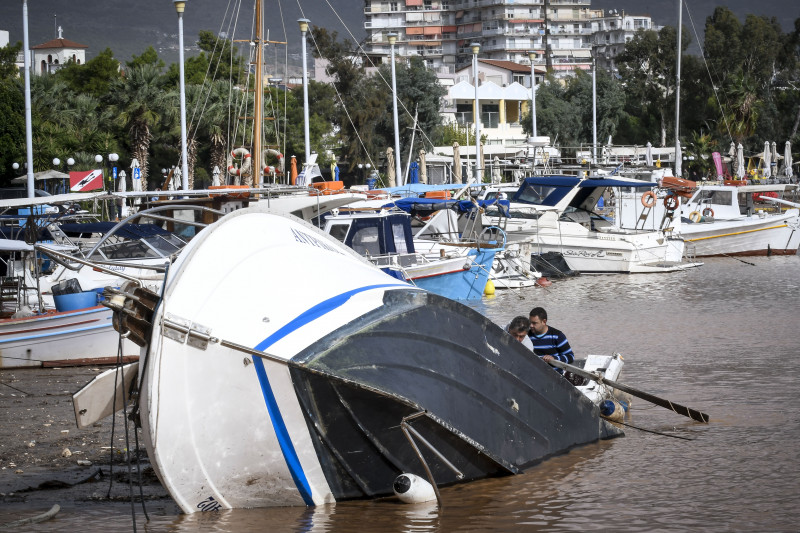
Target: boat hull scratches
[(491, 407)]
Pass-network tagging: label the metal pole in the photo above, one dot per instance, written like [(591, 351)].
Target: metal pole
[(475, 49), (398, 155), (594, 110), (533, 94), (28, 120), (303, 32), (180, 5), (678, 85)]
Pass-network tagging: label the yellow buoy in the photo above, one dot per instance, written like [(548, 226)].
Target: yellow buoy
[(489, 289)]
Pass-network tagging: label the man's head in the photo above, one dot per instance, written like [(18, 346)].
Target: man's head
[(538, 320), (518, 328)]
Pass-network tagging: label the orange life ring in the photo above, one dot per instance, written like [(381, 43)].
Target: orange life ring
[(671, 202), (694, 216), (649, 199), (708, 212)]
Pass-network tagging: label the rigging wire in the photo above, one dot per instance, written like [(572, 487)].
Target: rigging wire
[(705, 62), (364, 53)]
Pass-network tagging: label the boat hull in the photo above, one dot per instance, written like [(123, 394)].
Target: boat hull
[(463, 279), (83, 336), (310, 412), (776, 234)]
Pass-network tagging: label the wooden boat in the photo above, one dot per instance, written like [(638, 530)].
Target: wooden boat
[(301, 388)]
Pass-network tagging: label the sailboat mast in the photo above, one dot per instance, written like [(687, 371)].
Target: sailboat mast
[(258, 107), (678, 86)]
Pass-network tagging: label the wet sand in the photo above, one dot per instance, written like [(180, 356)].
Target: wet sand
[(44, 457)]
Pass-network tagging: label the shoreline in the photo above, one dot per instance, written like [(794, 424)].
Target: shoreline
[(46, 459)]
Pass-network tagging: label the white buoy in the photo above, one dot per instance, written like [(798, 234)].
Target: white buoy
[(413, 489)]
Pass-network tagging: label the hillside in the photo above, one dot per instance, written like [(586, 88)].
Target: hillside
[(128, 28)]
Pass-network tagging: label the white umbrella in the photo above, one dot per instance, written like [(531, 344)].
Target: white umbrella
[(648, 155), (767, 160), (775, 158), (787, 160), (136, 175), (739, 161), (423, 168), (215, 177), (390, 172), (678, 159), (122, 186), (497, 177), (456, 163)]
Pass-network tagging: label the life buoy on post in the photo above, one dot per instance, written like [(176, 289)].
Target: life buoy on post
[(242, 153), (694, 216), (649, 199), (671, 202), (708, 212)]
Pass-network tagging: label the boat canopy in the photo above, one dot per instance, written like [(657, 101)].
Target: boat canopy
[(616, 182), (128, 231), (425, 206)]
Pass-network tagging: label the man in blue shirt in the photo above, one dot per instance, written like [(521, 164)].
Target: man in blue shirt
[(548, 342)]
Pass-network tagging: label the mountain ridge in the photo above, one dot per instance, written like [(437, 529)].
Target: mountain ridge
[(128, 28)]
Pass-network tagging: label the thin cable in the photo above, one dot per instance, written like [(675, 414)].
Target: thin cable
[(653, 431), (713, 85)]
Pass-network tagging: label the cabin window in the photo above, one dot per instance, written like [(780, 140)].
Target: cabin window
[(714, 197), (366, 241), (339, 231), (399, 236)]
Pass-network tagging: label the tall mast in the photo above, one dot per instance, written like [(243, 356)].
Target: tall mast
[(678, 86), (258, 107)]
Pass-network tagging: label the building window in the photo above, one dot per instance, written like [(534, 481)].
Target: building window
[(393, 6), (49, 58)]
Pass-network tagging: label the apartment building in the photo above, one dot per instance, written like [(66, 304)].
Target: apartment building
[(562, 33)]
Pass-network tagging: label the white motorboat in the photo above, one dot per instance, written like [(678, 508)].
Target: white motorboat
[(283, 368), (556, 214)]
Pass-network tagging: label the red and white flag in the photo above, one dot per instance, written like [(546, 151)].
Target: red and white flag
[(85, 181)]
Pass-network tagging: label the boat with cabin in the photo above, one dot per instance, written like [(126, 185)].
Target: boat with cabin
[(278, 393)]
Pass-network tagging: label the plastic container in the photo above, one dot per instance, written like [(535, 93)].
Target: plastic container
[(371, 182), (74, 301), (67, 286)]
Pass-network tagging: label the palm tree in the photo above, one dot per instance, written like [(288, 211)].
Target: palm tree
[(141, 102)]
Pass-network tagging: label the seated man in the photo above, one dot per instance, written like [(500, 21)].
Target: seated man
[(548, 342), (518, 328)]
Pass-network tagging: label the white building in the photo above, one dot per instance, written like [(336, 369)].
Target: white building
[(50, 56), (441, 31)]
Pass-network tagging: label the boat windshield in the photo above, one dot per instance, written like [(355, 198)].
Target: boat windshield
[(153, 247)]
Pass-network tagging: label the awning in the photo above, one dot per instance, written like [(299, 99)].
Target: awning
[(413, 31), (413, 2), (432, 30)]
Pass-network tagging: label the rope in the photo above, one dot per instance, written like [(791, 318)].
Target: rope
[(653, 431)]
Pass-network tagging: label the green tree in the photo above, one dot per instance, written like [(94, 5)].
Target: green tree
[(648, 69), (94, 77), (8, 60), (148, 57), (142, 103), (12, 128), (218, 60)]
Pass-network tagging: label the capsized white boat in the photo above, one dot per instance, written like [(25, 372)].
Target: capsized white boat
[(284, 369)]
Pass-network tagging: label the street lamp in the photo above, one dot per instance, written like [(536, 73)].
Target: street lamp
[(476, 47), (303, 32), (180, 5), (392, 40), (532, 56)]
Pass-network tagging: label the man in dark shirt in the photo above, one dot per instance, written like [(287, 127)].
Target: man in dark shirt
[(548, 342)]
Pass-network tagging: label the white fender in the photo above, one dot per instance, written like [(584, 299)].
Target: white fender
[(410, 488)]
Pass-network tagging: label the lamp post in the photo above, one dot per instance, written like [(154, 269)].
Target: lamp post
[(392, 40), (28, 120), (476, 47), (67, 164), (303, 32), (361, 169), (180, 5), (532, 56)]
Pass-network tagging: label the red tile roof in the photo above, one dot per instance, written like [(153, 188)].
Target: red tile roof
[(59, 43)]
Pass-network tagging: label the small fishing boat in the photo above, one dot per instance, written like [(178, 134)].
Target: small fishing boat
[(282, 368), (723, 219)]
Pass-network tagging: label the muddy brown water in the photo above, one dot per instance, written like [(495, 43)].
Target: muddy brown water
[(722, 338)]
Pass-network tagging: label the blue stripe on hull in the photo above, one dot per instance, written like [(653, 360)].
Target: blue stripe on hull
[(278, 424)]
